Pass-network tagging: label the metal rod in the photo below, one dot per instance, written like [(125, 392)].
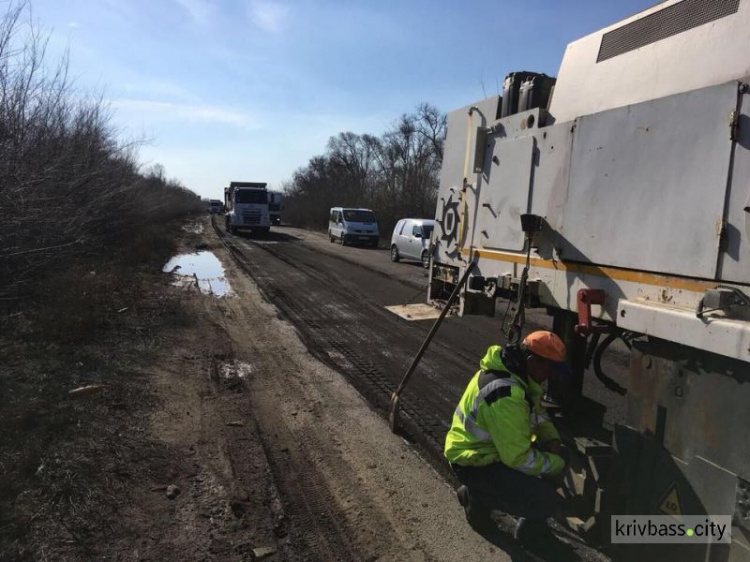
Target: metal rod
[(415, 362), (519, 318)]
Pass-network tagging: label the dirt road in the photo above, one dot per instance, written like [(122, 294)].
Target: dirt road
[(262, 432), (336, 484), (250, 427), (333, 298)]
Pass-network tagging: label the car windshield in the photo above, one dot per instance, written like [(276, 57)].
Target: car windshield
[(427, 230), (359, 216), (255, 196)]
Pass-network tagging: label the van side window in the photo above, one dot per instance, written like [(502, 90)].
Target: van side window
[(333, 216), (404, 227), (417, 231)]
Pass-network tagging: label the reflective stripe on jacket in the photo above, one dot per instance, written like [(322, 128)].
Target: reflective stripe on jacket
[(497, 420)]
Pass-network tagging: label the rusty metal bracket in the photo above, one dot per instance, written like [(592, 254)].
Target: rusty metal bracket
[(586, 298)]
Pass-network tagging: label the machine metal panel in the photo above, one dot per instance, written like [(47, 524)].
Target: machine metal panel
[(550, 174), (714, 333), (648, 184), (703, 398), (504, 195), (735, 264), (457, 154), (703, 55)]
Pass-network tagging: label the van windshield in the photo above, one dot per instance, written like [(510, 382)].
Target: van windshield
[(359, 216)]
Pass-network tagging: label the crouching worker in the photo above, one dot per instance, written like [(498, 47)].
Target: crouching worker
[(502, 446)]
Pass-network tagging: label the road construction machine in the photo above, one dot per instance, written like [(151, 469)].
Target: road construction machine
[(617, 197)]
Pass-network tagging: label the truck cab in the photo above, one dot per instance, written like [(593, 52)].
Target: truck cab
[(246, 206)]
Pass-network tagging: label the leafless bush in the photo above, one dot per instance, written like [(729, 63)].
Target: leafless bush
[(396, 175), (69, 190)]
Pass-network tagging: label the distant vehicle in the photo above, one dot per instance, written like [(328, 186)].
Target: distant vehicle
[(246, 205), (275, 199), (411, 240), (353, 226), (215, 207)]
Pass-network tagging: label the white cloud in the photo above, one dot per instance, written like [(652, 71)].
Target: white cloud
[(200, 10), (269, 15), (74, 24), (147, 86), (158, 110)]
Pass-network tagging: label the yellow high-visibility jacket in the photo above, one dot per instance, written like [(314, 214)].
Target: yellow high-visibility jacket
[(498, 419)]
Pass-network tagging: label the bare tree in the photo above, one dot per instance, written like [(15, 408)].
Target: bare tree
[(396, 174)]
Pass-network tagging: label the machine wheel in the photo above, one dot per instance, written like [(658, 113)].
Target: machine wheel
[(394, 254), (426, 259)]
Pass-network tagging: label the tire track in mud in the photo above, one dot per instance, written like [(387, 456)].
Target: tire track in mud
[(310, 513), (346, 333), (307, 512)]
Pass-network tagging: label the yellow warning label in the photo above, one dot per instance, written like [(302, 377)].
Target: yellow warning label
[(670, 505)]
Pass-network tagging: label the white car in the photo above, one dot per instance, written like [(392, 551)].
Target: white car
[(411, 240)]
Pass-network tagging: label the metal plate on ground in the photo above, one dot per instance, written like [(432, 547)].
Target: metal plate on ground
[(413, 312)]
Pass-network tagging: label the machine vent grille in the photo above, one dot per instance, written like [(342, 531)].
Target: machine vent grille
[(668, 22)]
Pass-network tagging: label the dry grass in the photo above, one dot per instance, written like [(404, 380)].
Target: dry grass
[(67, 464)]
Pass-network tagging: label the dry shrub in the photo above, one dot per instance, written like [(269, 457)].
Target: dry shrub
[(69, 190), (83, 230)]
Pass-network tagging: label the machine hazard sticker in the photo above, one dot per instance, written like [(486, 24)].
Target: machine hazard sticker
[(670, 504)]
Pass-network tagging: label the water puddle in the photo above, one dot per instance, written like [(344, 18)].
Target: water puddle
[(201, 268)]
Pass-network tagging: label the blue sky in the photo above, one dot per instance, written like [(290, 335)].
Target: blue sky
[(251, 89)]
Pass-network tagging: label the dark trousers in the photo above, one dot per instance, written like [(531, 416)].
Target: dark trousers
[(498, 487)]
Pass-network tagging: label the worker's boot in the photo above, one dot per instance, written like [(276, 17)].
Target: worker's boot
[(478, 516)]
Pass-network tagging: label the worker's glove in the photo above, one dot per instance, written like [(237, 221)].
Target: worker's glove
[(557, 448)]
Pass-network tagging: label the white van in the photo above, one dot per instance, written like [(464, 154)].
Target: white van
[(411, 240), (353, 226)]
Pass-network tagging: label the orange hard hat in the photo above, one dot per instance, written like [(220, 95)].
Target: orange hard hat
[(546, 345)]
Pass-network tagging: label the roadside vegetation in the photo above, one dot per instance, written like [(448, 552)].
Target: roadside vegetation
[(69, 189), (84, 232), (396, 175)]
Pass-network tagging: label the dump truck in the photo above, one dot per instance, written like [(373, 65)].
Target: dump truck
[(246, 207), (275, 206), (622, 188)]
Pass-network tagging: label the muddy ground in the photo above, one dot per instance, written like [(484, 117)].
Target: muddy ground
[(251, 427), (212, 434)]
